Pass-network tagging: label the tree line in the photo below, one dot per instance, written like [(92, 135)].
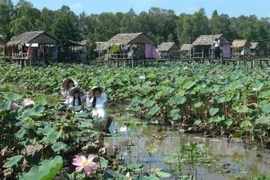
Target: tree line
[(160, 24)]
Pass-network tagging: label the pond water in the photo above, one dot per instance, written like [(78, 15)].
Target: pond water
[(221, 159)]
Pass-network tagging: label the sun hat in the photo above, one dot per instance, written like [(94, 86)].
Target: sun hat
[(73, 90), (93, 88), (65, 82)]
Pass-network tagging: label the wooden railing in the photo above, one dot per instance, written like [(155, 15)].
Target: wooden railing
[(16, 56)]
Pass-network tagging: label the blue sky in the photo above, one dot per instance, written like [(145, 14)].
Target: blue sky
[(234, 8)]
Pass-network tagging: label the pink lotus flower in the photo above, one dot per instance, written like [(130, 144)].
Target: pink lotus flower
[(28, 102), (82, 163), (14, 106), (211, 72)]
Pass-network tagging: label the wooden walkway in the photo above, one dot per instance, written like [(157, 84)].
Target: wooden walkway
[(148, 62)]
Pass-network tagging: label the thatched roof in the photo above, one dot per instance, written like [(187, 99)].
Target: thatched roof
[(166, 46), (40, 37), (207, 40), (130, 38), (83, 42), (237, 43), (100, 46), (186, 47), (254, 45)]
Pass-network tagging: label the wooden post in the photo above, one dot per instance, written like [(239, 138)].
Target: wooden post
[(190, 48), (202, 52)]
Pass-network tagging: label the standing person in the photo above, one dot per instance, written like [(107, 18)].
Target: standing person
[(97, 99), (217, 48), (67, 85), (75, 99)]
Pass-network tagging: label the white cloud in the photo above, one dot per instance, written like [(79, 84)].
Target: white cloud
[(76, 6), (193, 8)]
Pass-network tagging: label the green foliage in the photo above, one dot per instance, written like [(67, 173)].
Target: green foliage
[(47, 170), (14, 161)]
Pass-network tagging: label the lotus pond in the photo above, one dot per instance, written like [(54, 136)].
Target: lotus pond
[(172, 121)]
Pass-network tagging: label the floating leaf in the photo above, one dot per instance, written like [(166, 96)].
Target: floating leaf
[(47, 170), (5, 106), (266, 108), (51, 137), (12, 96), (134, 167), (213, 111), (149, 104), (178, 100), (174, 114), (198, 104), (163, 174), (104, 163), (57, 147), (242, 109), (188, 84), (84, 114), (153, 111), (263, 120), (86, 124), (14, 161), (245, 124), (21, 133), (34, 112), (198, 122), (109, 174), (227, 122), (181, 93), (256, 86), (216, 119)]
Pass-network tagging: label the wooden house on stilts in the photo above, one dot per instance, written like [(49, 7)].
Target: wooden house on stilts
[(203, 46), (33, 46), (131, 46)]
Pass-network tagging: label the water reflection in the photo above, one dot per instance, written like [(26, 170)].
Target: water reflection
[(147, 146)]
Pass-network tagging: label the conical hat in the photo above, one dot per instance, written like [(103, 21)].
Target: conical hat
[(65, 82), (73, 90), (95, 87)]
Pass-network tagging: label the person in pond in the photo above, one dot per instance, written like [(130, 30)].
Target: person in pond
[(217, 48), (76, 97), (97, 99), (67, 85)]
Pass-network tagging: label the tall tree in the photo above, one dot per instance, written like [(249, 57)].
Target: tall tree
[(65, 26), (46, 19), (6, 16), (200, 23)]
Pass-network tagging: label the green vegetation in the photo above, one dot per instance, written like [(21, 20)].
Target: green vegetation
[(41, 137)]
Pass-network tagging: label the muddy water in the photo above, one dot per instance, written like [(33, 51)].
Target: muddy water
[(148, 145)]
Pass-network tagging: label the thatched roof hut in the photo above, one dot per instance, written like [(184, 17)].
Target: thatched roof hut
[(40, 37), (130, 38), (207, 40), (203, 46), (186, 51), (100, 46), (132, 45), (241, 47), (239, 43), (168, 50), (256, 49), (167, 46), (254, 45), (186, 47)]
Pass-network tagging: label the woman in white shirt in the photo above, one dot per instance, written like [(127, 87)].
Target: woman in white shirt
[(217, 48), (75, 99), (97, 100), (67, 85)]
